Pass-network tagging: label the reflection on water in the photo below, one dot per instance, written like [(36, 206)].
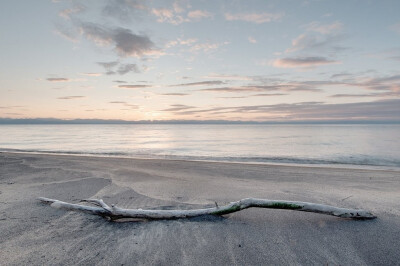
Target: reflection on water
[(305, 144)]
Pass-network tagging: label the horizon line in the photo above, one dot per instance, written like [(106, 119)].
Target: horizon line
[(55, 121)]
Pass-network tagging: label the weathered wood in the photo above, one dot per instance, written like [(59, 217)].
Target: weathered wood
[(115, 212)]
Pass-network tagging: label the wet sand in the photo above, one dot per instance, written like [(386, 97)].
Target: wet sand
[(35, 234)]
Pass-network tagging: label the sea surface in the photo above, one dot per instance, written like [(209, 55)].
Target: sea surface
[(376, 146)]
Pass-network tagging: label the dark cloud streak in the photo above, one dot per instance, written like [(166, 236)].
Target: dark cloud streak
[(136, 86), (58, 79), (70, 97), (200, 83), (125, 42)]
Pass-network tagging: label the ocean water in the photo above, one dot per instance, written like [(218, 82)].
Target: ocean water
[(335, 145)]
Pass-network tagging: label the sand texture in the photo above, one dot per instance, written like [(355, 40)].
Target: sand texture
[(32, 233)]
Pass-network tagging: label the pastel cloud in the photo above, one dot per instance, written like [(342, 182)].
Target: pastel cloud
[(302, 62), (257, 18)]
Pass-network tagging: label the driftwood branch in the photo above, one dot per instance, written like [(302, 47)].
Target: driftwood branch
[(114, 212)]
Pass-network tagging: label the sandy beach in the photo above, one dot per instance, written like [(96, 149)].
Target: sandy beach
[(35, 234)]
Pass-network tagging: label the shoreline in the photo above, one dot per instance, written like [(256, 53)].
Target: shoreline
[(33, 233), (327, 166)]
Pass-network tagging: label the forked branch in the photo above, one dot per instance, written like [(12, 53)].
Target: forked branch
[(114, 212)]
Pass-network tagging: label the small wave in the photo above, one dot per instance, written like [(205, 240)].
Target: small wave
[(350, 161)]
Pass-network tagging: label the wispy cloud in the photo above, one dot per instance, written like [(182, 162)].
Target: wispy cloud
[(239, 89), (309, 111), (108, 65), (126, 68), (91, 74), (396, 28), (300, 86), (251, 39), (324, 28), (341, 75), (58, 79), (167, 15), (199, 14), (68, 12), (124, 10), (18, 114), (131, 106), (122, 69), (228, 77), (12, 107), (368, 95), (68, 33), (268, 94), (254, 95), (177, 14), (136, 86), (200, 83), (383, 84), (206, 47), (316, 43), (178, 108), (70, 97), (179, 41), (302, 62), (257, 18), (175, 94)]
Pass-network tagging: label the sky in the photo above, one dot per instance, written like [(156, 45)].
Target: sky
[(290, 60)]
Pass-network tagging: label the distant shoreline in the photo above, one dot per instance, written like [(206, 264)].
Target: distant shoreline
[(54, 121)]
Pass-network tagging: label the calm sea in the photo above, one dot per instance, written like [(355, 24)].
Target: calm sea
[(349, 145)]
